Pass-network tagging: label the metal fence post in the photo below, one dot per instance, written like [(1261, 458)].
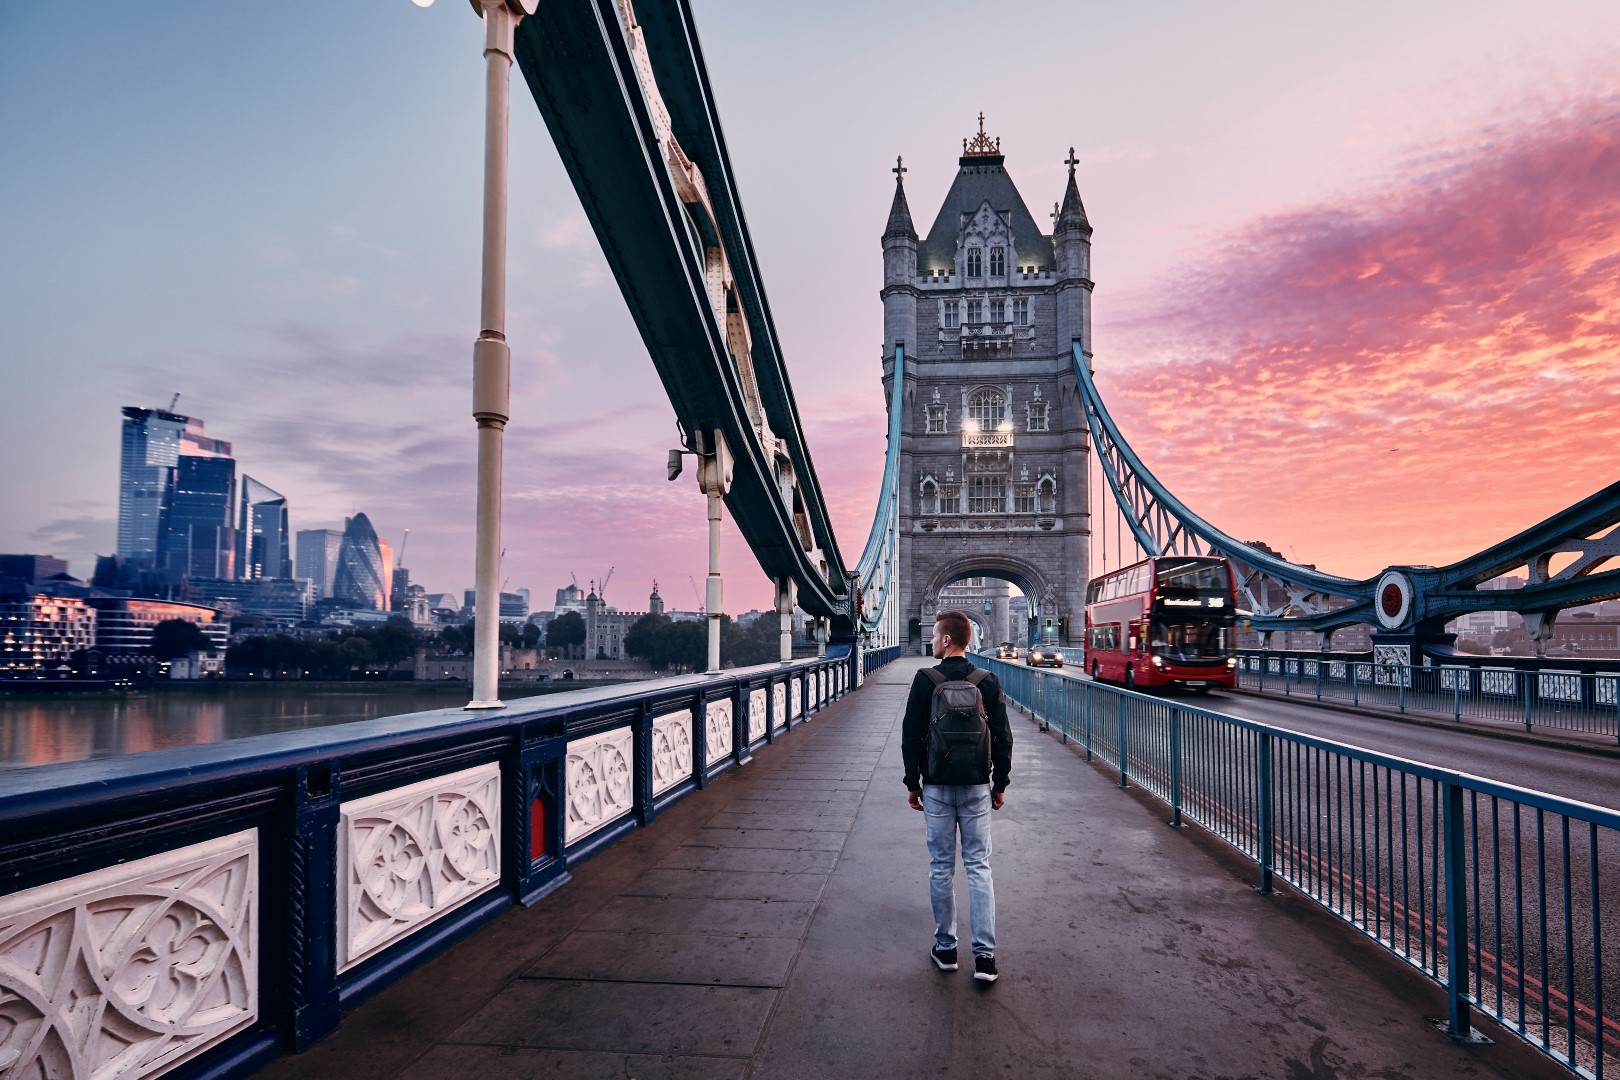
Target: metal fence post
[(1122, 773), (1402, 673), (1265, 811), (1525, 675), (1288, 689), (1355, 683), (1459, 1022), (1175, 768), (1086, 717), (1456, 697), (1318, 678)]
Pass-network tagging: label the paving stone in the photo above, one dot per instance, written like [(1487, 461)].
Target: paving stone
[(702, 915), (729, 884), (722, 959), (499, 1063)]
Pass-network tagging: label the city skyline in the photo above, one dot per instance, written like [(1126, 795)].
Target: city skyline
[(1335, 257)]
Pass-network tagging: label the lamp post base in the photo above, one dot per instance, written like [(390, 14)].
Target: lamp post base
[(484, 705)]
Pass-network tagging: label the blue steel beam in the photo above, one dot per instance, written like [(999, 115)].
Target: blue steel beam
[(875, 572), (1312, 600), (678, 246)]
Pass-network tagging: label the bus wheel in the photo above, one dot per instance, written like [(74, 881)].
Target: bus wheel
[(1096, 671), (1130, 677)]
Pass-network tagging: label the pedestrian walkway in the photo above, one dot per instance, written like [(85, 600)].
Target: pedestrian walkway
[(777, 926)]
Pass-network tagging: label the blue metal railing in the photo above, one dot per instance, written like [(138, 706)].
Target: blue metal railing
[(1498, 893), (872, 659), (1584, 702), (508, 802)]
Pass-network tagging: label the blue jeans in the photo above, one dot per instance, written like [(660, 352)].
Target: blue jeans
[(947, 809)]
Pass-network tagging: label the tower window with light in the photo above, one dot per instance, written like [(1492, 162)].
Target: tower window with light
[(998, 262), (988, 408)]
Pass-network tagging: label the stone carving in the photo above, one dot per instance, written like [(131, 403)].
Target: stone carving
[(796, 698), (1499, 682), (671, 750), (779, 704), (717, 730), (129, 971), (756, 715), (1558, 686), (600, 781), (1389, 665), (408, 856)]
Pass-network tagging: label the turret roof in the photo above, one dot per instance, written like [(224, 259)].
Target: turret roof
[(975, 184), (1073, 211), (899, 212)]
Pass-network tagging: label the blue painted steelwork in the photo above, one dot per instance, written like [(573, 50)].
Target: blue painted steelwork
[(1282, 595), (1446, 870), (1526, 695), (61, 821), (630, 109), (878, 571)]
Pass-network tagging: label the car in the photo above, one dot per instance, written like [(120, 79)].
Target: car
[(1045, 656), (1006, 651)]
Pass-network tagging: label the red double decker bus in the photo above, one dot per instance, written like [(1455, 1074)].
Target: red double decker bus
[(1166, 620)]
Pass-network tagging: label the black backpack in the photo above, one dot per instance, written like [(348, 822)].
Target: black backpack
[(958, 750)]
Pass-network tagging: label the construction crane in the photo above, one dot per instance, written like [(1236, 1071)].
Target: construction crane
[(601, 591), (174, 402), (403, 544), (696, 595)]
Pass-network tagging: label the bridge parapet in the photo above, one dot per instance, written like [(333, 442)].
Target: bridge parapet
[(228, 900)]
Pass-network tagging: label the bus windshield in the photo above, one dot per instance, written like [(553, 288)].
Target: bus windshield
[(1192, 639), (1194, 574)]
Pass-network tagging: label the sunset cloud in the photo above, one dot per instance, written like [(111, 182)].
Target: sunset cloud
[(1406, 376)]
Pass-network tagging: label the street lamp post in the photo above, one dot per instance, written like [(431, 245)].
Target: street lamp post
[(492, 358)]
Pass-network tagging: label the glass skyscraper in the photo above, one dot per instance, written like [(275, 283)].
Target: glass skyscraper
[(365, 567), (318, 551), (262, 533), (198, 538), (153, 442)]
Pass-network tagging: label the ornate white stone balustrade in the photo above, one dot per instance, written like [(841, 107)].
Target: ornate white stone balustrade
[(132, 969)]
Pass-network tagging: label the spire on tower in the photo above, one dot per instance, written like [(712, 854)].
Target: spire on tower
[(1071, 215), (980, 149), (899, 212)]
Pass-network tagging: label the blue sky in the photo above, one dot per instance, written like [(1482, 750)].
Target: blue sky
[(274, 210)]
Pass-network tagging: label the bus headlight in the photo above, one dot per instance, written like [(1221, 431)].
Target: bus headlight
[(1158, 661), (1231, 661)]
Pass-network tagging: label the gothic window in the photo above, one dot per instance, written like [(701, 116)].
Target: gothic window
[(1020, 312), (1048, 495), (974, 263), (1037, 416), (951, 321), (998, 311), (998, 262), (1023, 498), (930, 496), (975, 311), (988, 407), (936, 419), (948, 499), (985, 494)]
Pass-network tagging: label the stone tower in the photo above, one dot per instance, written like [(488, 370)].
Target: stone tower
[(994, 450)]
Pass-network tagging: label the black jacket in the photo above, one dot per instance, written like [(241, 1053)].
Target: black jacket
[(919, 709)]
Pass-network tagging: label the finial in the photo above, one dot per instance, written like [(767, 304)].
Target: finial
[(981, 145), (1071, 161), (899, 170), (1054, 211)]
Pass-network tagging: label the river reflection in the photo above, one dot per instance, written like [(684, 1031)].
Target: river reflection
[(46, 729)]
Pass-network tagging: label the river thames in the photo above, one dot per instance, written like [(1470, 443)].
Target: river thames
[(45, 729)]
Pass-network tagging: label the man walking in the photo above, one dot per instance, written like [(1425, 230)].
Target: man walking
[(956, 780)]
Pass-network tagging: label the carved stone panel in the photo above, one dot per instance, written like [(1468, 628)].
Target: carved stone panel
[(756, 715), (718, 730), (796, 697), (408, 856), (129, 971), (601, 781), (779, 702), (671, 749)]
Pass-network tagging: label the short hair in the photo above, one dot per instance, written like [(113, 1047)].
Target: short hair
[(956, 626)]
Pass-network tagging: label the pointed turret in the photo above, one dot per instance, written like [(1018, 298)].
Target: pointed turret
[(899, 227), (1071, 240), (1072, 214), (899, 270)]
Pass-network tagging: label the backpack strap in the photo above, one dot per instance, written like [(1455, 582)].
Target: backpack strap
[(977, 675), (937, 676)]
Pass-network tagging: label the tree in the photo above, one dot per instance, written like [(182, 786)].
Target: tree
[(566, 630), (757, 641), (648, 639), (174, 638), (458, 638), (529, 636)]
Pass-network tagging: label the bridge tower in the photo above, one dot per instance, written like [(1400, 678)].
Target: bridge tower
[(994, 447)]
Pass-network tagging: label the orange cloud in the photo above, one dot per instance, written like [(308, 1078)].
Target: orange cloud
[(1404, 378)]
